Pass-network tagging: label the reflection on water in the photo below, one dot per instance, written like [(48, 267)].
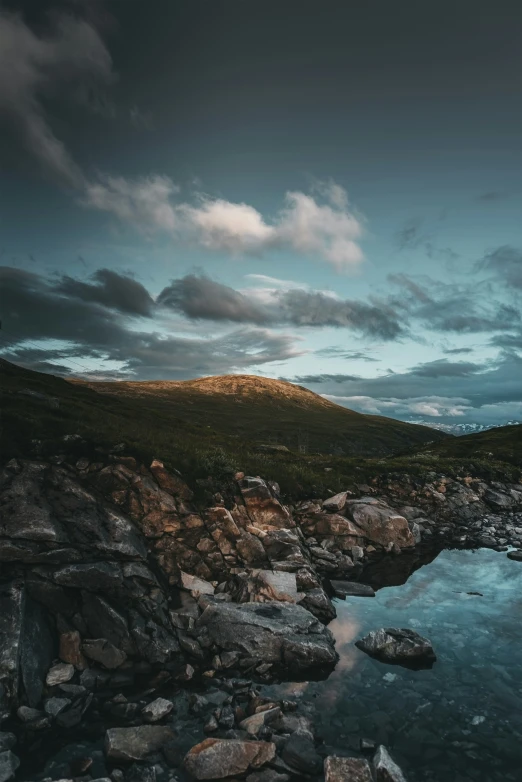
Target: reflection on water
[(461, 720)]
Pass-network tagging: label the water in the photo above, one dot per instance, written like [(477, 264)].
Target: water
[(461, 720)]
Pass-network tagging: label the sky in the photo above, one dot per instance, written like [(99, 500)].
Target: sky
[(324, 192)]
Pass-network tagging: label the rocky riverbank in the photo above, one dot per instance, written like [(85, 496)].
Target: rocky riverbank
[(136, 624)]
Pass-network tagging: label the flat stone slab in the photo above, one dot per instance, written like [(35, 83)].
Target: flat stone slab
[(344, 589), (128, 744)]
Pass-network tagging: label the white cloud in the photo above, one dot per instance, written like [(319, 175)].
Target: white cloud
[(328, 231)]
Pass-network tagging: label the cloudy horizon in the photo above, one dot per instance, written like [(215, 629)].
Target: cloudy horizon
[(343, 213)]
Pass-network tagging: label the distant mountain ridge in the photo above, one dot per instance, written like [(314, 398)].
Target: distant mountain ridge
[(462, 429)]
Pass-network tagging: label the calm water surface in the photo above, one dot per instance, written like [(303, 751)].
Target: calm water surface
[(461, 720)]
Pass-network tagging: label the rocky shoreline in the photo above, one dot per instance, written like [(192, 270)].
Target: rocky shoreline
[(136, 625)]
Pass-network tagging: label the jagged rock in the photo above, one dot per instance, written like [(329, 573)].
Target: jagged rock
[(253, 724), (128, 744), (263, 508), (299, 752), (280, 633), (70, 650), (102, 651), (319, 604), (195, 584), (94, 576), (336, 503), (157, 709), (405, 647), (347, 770), (59, 674), (8, 765), (221, 758), (53, 706), (385, 769), (169, 482), (380, 524), (344, 589)]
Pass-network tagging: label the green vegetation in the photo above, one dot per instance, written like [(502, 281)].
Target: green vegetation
[(207, 437), (502, 444)]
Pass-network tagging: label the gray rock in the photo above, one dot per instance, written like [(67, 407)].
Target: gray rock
[(336, 503), (104, 652), (319, 604), (221, 758), (27, 714), (53, 706), (195, 584), (385, 769), (253, 724), (280, 633), (347, 770), (267, 775), (128, 744), (344, 589), (401, 646), (299, 752), (7, 741), (8, 765), (156, 710), (515, 555), (59, 674), (94, 576)]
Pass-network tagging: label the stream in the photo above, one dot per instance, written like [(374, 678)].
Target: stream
[(459, 721)]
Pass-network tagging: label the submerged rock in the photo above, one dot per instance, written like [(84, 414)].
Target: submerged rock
[(347, 770), (385, 769), (404, 647), (516, 555), (221, 758), (8, 765)]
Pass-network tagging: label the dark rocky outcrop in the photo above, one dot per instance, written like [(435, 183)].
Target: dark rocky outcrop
[(404, 647)]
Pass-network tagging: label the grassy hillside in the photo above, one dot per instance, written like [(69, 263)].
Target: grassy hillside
[(265, 411), (187, 437), (504, 443)]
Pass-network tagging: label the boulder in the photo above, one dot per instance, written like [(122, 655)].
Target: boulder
[(299, 752), (319, 604), (253, 724), (8, 765), (157, 709), (71, 650), (102, 651), (385, 769), (264, 510), (195, 584), (94, 576), (347, 770), (336, 503), (59, 674), (283, 634), (515, 555), (380, 524), (221, 758), (404, 647), (344, 589), (128, 744)]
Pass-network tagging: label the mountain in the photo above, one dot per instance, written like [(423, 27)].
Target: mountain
[(266, 412), (501, 443), (461, 429)]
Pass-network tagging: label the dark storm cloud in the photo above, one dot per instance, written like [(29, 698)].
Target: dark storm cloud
[(70, 57), (506, 263), (34, 308), (457, 351), (198, 297), (474, 385), (113, 290), (448, 307)]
